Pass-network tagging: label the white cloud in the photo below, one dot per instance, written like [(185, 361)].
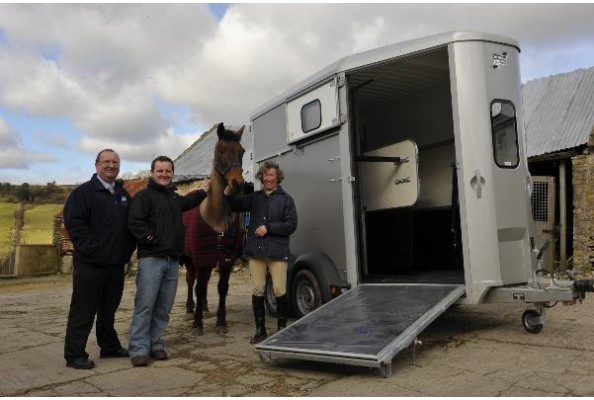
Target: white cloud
[(37, 156), (12, 155), (108, 68), (35, 85), (129, 115), (8, 137), (96, 65), (52, 139), (169, 144)]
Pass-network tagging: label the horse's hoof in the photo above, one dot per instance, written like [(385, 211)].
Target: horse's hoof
[(221, 329), (197, 328), (189, 311), (197, 331)]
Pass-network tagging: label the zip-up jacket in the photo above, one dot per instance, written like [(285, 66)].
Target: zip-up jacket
[(278, 213), (155, 219), (96, 222)]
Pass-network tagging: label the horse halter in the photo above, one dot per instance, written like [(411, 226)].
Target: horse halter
[(222, 172)]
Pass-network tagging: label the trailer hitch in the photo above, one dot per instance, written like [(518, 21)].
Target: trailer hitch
[(584, 286)]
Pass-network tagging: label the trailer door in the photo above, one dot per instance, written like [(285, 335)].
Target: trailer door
[(492, 167)]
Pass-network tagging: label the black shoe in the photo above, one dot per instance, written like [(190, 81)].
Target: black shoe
[(260, 318), (281, 312), (121, 352), (139, 361), (80, 363), (159, 355), (259, 336)]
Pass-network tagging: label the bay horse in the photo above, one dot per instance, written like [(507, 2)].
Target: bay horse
[(213, 235)]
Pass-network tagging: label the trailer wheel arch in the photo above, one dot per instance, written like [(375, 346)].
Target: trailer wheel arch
[(316, 266)]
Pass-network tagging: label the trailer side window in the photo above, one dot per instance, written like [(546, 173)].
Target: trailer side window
[(505, 134), (311, 116)]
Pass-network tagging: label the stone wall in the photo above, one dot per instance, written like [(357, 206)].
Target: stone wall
[(583, 209), (36, 259), (187, 186)]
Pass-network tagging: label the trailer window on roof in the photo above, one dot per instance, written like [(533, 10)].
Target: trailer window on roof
[(311, 116), (505, 134)]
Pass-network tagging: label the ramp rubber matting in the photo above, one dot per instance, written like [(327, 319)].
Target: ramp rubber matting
[(366, 326)]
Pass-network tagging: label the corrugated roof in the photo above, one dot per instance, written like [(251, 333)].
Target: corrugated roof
[(196, 161), (558, 111)]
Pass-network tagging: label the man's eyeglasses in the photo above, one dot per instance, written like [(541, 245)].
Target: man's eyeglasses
[(107, 162)]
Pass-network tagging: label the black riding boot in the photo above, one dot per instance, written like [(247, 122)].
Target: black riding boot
[(260, 317), (281, 312)]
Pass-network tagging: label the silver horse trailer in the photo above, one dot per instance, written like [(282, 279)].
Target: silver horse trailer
[(408, 168)]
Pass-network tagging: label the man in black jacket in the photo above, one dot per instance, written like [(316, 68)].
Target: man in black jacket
[(156, 222), (95, 216)]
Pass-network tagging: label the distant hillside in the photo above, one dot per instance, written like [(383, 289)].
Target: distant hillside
[(39, 223), (49, 193)]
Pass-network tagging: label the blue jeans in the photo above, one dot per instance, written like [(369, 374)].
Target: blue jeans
[(156, 285)]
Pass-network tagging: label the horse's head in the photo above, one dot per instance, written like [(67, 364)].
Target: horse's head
[(228, 157)]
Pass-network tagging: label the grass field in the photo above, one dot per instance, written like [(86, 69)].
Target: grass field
[(39, 223), (6, 223)]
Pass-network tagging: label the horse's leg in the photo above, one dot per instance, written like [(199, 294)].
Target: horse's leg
[(202, 276), (223, 289), (205, 310), (190, 278)]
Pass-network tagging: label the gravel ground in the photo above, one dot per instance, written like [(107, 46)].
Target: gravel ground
[(479, 350)]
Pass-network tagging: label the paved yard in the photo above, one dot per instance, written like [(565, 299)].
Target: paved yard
[(470, 351)]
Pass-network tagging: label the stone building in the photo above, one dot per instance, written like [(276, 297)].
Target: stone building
[(559, 122)]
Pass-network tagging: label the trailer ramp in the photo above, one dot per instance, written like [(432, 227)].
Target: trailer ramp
[(366, 326)]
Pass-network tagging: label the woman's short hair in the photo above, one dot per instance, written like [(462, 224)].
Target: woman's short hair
[(269, 165)]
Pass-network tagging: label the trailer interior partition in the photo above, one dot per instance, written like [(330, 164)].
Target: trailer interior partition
[(408, 99)]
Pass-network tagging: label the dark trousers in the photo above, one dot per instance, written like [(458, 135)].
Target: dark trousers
[(97, 291)]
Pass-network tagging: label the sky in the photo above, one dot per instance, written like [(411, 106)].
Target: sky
[(149, 79)]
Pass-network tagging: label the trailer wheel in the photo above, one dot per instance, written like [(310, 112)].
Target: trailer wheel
[(531, 319), (307, 295)]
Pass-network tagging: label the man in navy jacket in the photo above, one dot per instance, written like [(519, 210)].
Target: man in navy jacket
[(95, 216)]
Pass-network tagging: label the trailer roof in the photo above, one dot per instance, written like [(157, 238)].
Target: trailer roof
[(380, 54)]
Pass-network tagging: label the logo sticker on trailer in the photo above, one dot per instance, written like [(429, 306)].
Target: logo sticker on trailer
[(499, 60)]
